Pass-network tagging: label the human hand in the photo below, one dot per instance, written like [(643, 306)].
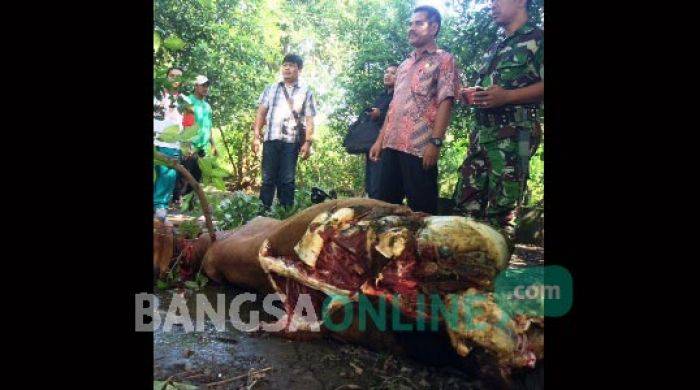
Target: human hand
[(376, 151), (305, 151), (431, 153), (494, 96)]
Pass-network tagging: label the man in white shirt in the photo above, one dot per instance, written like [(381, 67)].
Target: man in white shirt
[(166, 114)]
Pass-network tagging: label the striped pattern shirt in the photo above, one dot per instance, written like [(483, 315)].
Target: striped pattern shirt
[(280, 123)]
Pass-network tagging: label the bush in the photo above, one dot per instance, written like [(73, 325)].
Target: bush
[(302, 200), (236, 210)]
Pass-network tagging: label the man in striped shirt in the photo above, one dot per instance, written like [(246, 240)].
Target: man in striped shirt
[(288, 131)]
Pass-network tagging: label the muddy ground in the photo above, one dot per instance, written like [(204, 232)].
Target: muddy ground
[(201, 358)]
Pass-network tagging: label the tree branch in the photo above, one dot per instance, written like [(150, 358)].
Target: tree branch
[(171, 163), (228, 151)]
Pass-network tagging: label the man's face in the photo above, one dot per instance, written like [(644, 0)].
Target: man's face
[(390, 77), (420, 31), (290, 71), (504, 11), (174, 77), (201, 89)]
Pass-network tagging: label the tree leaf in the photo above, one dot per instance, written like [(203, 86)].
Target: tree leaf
[(201, 279), (218, 172), (156, 42), (170, 134), (219, 184), (205, 164), (185, 148), (186, 200), (172, 129), (189, 133), (174, 43), (161, 385)]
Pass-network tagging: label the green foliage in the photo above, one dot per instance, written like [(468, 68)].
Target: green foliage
[(199, 282), (173, 133), (535, 190), (236, 210), (330, 167), (156, 42), (189, 132), (230, 41), (302, 200), (189, 229), (170, 134), (212, 173), (175, 278), (171, 280), (174, 43), (281, 212), (170, 385), (188, 202), (162, 284)]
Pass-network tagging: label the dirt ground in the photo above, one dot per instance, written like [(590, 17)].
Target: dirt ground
[(201, 358)]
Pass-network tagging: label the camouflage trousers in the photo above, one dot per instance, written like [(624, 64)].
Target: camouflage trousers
[(491, 182)]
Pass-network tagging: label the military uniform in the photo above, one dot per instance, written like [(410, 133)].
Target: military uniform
[(493, 175)]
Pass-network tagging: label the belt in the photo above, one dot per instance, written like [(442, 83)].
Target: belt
[(505, 116)]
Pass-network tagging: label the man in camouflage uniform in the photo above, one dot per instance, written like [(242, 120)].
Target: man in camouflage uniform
[(494, 174)]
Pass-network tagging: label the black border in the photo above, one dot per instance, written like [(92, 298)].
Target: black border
[(111, 158)]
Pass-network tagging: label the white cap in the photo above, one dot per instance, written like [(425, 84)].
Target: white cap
[(201, 80)]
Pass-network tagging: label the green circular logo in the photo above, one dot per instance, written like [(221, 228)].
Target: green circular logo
[(535, 291)]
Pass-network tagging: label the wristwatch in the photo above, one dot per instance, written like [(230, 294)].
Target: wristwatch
[(436, 141)]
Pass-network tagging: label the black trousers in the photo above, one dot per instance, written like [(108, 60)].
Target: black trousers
[(373, 171), (279, 167), (182, 187), (402, 176)]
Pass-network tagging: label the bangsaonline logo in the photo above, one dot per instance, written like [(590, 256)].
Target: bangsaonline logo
[(533, 291)]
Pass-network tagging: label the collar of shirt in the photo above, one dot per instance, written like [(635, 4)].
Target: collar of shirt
[(166, 92), (428, 49), (294, 85), (524, 29)]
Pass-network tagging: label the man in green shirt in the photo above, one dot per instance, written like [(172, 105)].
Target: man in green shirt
[(202, 116), (506, 99), (201, 143)]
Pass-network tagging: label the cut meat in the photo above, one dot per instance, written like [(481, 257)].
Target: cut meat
[(515, 341), (355, 247)]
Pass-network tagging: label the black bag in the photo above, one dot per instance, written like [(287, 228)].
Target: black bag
[(319, 196), (361, 135)]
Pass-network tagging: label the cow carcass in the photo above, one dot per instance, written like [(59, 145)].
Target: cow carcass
[(365, 248)]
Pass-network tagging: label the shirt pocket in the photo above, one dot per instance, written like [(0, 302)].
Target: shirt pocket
[(423, 82), (512, 68)]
